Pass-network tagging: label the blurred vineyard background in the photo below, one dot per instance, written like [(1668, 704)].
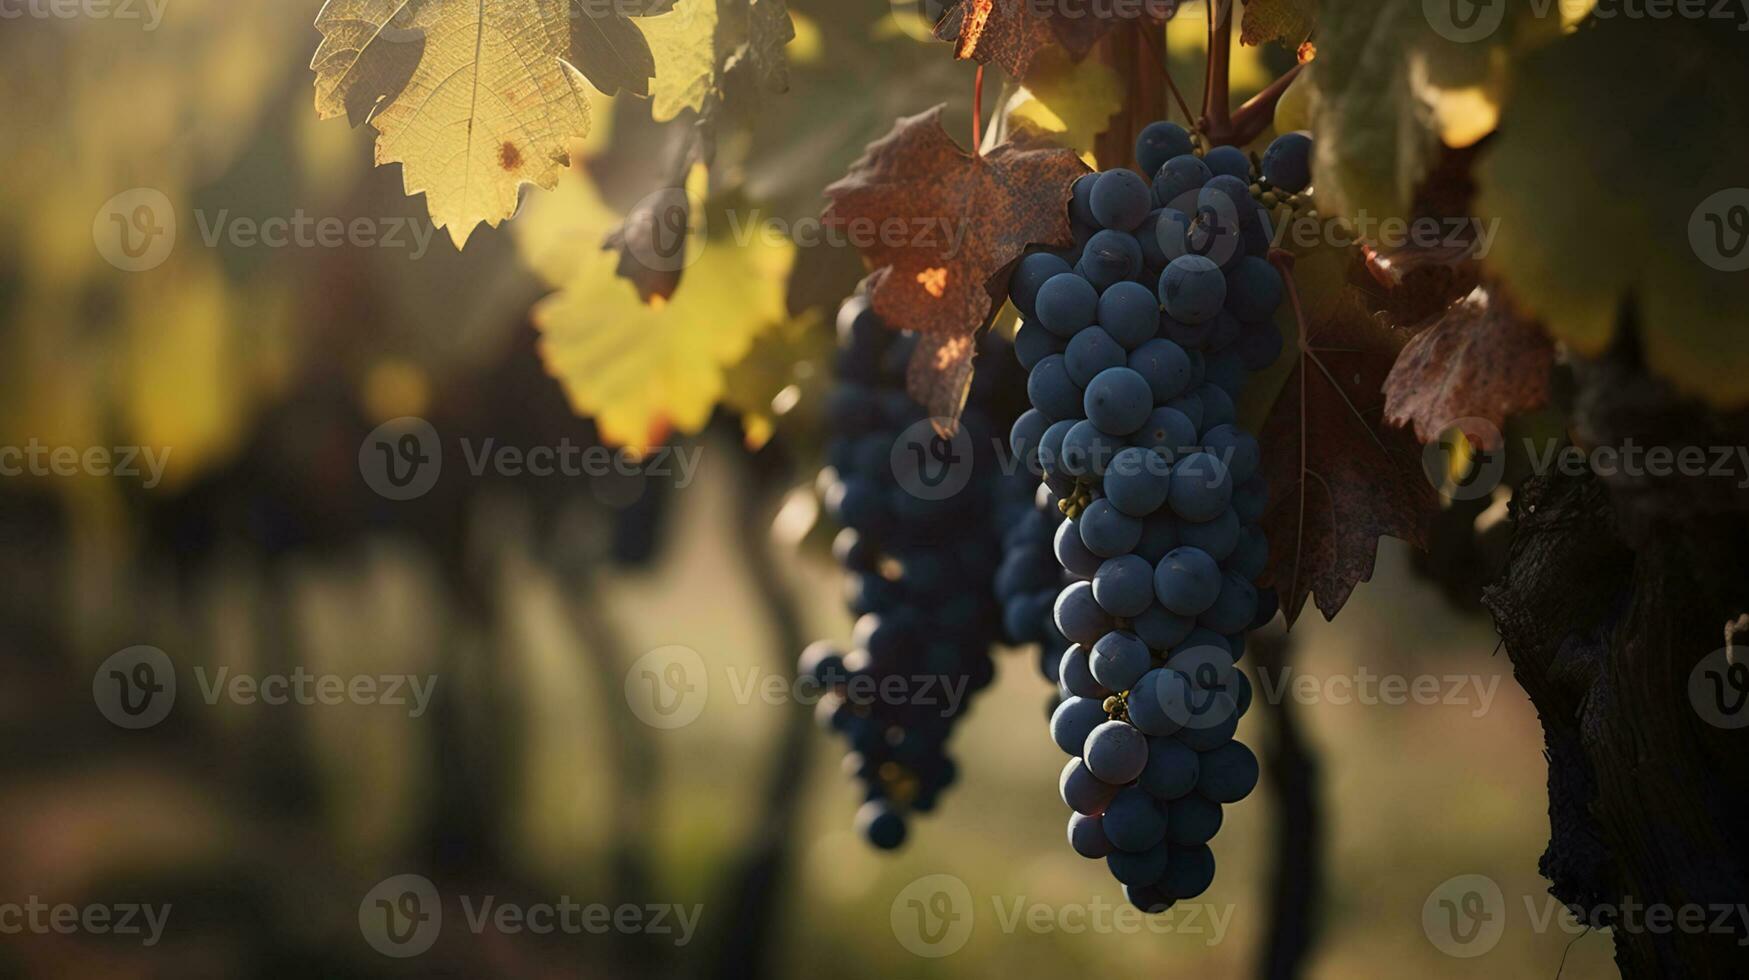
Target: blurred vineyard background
[(262, 370)]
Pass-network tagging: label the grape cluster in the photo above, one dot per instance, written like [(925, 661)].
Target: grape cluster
[(1138, 340), (920, 572), (1029, 578)]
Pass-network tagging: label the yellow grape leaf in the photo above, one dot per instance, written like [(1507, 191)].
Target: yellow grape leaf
[(768, 384), (558, 232), (640, 370), (683, 41), (1646, 205), (1068, 103), (473, 99)]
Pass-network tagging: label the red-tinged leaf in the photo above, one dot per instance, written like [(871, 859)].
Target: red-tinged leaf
[(1478, 360), (965, 220), (1339, 477), (1011, 32), (1006, 32)]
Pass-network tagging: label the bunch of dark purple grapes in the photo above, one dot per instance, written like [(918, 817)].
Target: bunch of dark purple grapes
[(1138, 341), (921, 542)]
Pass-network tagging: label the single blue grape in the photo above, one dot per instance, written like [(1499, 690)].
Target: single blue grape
[(1130, 313), (1161, 629), (1078, 615), (1083, 791), (1148, 898), (1236, 448), (1074, 720), (1133, 821), (1254, 289), (1143, 869), (1234, 608), (1118, 660), (1072, 554), (1033, 343), (1178, 180), (1136, 481), (1087, 836), (1164, 366), (1030, 276), (1228, 773), (1213, 721), (1192, 819), (1075, 674), (880, 825), (1168, 432), (1087, 451), (1090, 352), (1118, 400), (1024, 437), (1187, 581), (1172, 771), (1124, 586), (1251, 499), (1160, 703), (1108, 532), (1116, 752), (1189, 872), (1217, 406), (1159, 142), (1111, 257), (1159, 535), (1218, 538), (1216, 236), (1228, 160), (1201, 487), (1052, 391), (1066, 304), (1120, 200), (1228, 195), (1287, 163), (1050, 447), (1192, 289), (1081, 201)]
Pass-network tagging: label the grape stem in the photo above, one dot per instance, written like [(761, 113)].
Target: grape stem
[(978, 111), (1258, 113), (1217, 82)]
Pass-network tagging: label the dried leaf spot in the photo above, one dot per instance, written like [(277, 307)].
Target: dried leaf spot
[(934, 281), (509, 157), (977, 21)]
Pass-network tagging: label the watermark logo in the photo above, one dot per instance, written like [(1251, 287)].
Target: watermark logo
[(930, 466), (402, 916), (1464, 21), (1456, 464), (135, 231), (1718, 230), (402, 458), (135, 688), (1718, 687), (932, 917), (667, 687), (1465, 916)]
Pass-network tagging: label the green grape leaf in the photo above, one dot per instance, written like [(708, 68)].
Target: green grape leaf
[(1618, 176)]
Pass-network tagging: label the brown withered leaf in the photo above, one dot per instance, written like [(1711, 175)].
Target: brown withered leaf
[(1479, 359), (1006, 32), (942, 228), (1339, 477), (1011, 32)]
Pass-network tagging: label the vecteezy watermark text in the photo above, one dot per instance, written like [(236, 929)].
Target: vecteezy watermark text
[(402, 917), (35, 458), (37, 917), (149, 13)]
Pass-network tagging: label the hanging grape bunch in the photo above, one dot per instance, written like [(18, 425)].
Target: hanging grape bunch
[(920, 569), (1138, 340)]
